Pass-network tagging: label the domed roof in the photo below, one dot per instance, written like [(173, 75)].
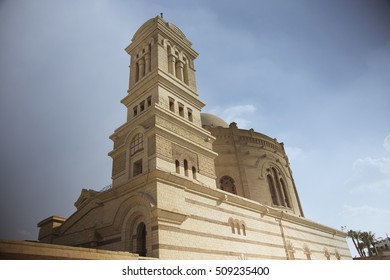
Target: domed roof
[(212, 120), (151, 22)]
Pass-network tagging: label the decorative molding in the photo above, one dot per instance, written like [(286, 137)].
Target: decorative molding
[(164, 215)]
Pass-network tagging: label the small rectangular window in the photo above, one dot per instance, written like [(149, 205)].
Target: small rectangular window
[(135, 111), (142, 106), (189, 111), (137, 167), (171, 104), (181, 110), (149, 101)]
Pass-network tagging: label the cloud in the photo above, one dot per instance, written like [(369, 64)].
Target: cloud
[(365, 218), (386, 143), (364, 211), (370, 174), (241, 114), (294, 153)]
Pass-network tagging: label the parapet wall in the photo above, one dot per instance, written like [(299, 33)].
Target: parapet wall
[(27, 250)]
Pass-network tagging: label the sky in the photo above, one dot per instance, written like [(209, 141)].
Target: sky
[(315, 75)]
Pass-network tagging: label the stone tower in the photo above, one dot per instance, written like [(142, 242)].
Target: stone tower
[(163, 129), (162, 146)]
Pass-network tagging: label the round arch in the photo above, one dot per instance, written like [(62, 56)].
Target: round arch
[(131, 214)]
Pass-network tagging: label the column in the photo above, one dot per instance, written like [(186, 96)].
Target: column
[(179, 70), (147, 63), (141, 68), (171, 64)]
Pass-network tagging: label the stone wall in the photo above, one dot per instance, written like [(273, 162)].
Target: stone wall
[(24, 250)]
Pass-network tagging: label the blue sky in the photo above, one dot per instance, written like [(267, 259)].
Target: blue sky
[(313, 74)]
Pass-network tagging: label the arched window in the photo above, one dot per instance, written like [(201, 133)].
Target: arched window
[(185, 167), (231, 224), (279, 191), (177, 163), (141, 240), (286, 199), (136, 72), (243, 229), (193, 172), (278, 188), (136, 143), (185, 72), (237, 224), (272, 189), (227, 184)]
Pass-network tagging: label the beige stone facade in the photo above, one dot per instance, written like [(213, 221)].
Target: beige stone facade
[(186, 185)]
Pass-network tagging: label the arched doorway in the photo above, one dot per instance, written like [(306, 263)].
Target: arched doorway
[(141, 240)]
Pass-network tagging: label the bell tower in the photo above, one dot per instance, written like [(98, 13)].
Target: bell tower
[(163, 132)]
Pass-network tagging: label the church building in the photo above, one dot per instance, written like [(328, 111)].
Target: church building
[(185, 184)]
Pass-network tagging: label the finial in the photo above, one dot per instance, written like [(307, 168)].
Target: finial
[(161, 15)]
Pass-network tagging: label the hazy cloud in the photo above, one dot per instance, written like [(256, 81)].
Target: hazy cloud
[(370, 174), (241, 114), (294, 153), (364, 211), (25, 234), (365, 217), (386, 143)]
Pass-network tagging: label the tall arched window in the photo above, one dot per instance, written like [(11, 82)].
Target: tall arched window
[(136, 72), (227, 184), (185, 167), (279, 191), (177, 163), (286, 199), (185, 71), (141, 240), (278, 188), (193, 172), (272, 189), (136, 143)]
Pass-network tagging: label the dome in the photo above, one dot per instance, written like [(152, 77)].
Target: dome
[(212, 120), (153, 21)]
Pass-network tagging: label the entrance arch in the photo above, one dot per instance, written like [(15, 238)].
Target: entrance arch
[(141, 239)]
